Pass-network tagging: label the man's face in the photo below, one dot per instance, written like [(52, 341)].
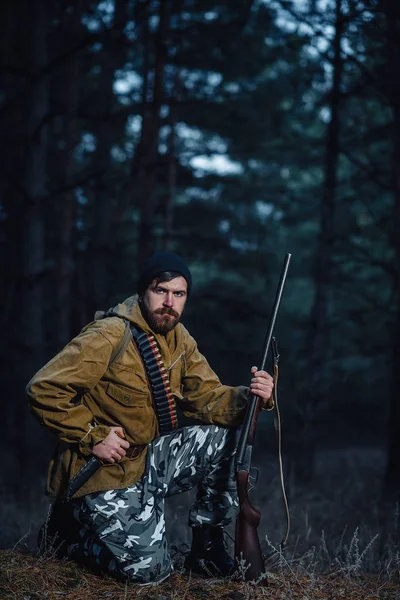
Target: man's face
[(163, 304)]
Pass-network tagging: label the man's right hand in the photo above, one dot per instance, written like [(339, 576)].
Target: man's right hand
[(113, 447)]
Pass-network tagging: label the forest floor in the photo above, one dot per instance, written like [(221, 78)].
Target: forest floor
[(344, 544), (26, 576)]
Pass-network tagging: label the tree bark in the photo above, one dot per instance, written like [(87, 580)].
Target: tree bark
[(67, 214), (100, 250), (36, 181), (319, 341), (171, 184), (392, 11), (12, 193), (148, 146), (321, 314)]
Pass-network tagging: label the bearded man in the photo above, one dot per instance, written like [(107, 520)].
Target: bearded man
[(118, 404)]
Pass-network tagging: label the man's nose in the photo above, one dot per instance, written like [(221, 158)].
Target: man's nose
[(169, 299)]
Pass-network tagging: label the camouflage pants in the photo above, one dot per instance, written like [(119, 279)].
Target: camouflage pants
[(123, 531)]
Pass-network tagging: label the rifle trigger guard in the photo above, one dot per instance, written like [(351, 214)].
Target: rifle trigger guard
[(253, 474)]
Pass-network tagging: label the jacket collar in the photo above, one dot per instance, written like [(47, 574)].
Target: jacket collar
[(170, 345)]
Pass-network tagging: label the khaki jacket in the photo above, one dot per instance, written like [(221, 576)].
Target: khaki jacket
[(79, 398)]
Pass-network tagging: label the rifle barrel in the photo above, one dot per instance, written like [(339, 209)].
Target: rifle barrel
[(243, 442)]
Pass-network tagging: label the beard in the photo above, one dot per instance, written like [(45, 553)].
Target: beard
[(162, 320)]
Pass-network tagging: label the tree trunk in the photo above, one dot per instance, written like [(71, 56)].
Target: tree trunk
[(36, 181), (100, 258), (67, 216), (11, 191), (171, 184), (392, 10), (148, 146), (319, 333), (322, 309)]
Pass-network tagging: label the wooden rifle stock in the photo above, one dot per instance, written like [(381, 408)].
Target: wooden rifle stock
[(247, 543)]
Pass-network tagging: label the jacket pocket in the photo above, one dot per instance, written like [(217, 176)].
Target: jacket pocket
[(126, 396)]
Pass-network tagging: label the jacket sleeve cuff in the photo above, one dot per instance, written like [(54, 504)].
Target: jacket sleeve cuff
[(265, 406), (96, 435), (269, 405)]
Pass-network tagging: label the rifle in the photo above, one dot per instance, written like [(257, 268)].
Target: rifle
[(247, 544)]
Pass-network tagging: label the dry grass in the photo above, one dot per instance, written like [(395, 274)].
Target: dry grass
[(33, 577), (343, 545)]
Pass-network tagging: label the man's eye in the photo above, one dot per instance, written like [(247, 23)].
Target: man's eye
[(159, 291), (179, 294)]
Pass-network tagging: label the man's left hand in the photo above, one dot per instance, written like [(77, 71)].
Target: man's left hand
[(261, 385)]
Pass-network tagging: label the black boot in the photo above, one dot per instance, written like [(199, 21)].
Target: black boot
[(208, 556)]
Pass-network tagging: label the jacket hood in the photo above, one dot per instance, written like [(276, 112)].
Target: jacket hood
[(130, 310)]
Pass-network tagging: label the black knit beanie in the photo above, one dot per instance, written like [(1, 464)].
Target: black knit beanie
[(160, 262)]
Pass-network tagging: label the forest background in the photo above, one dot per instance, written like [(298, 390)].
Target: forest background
[(231, 132)]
